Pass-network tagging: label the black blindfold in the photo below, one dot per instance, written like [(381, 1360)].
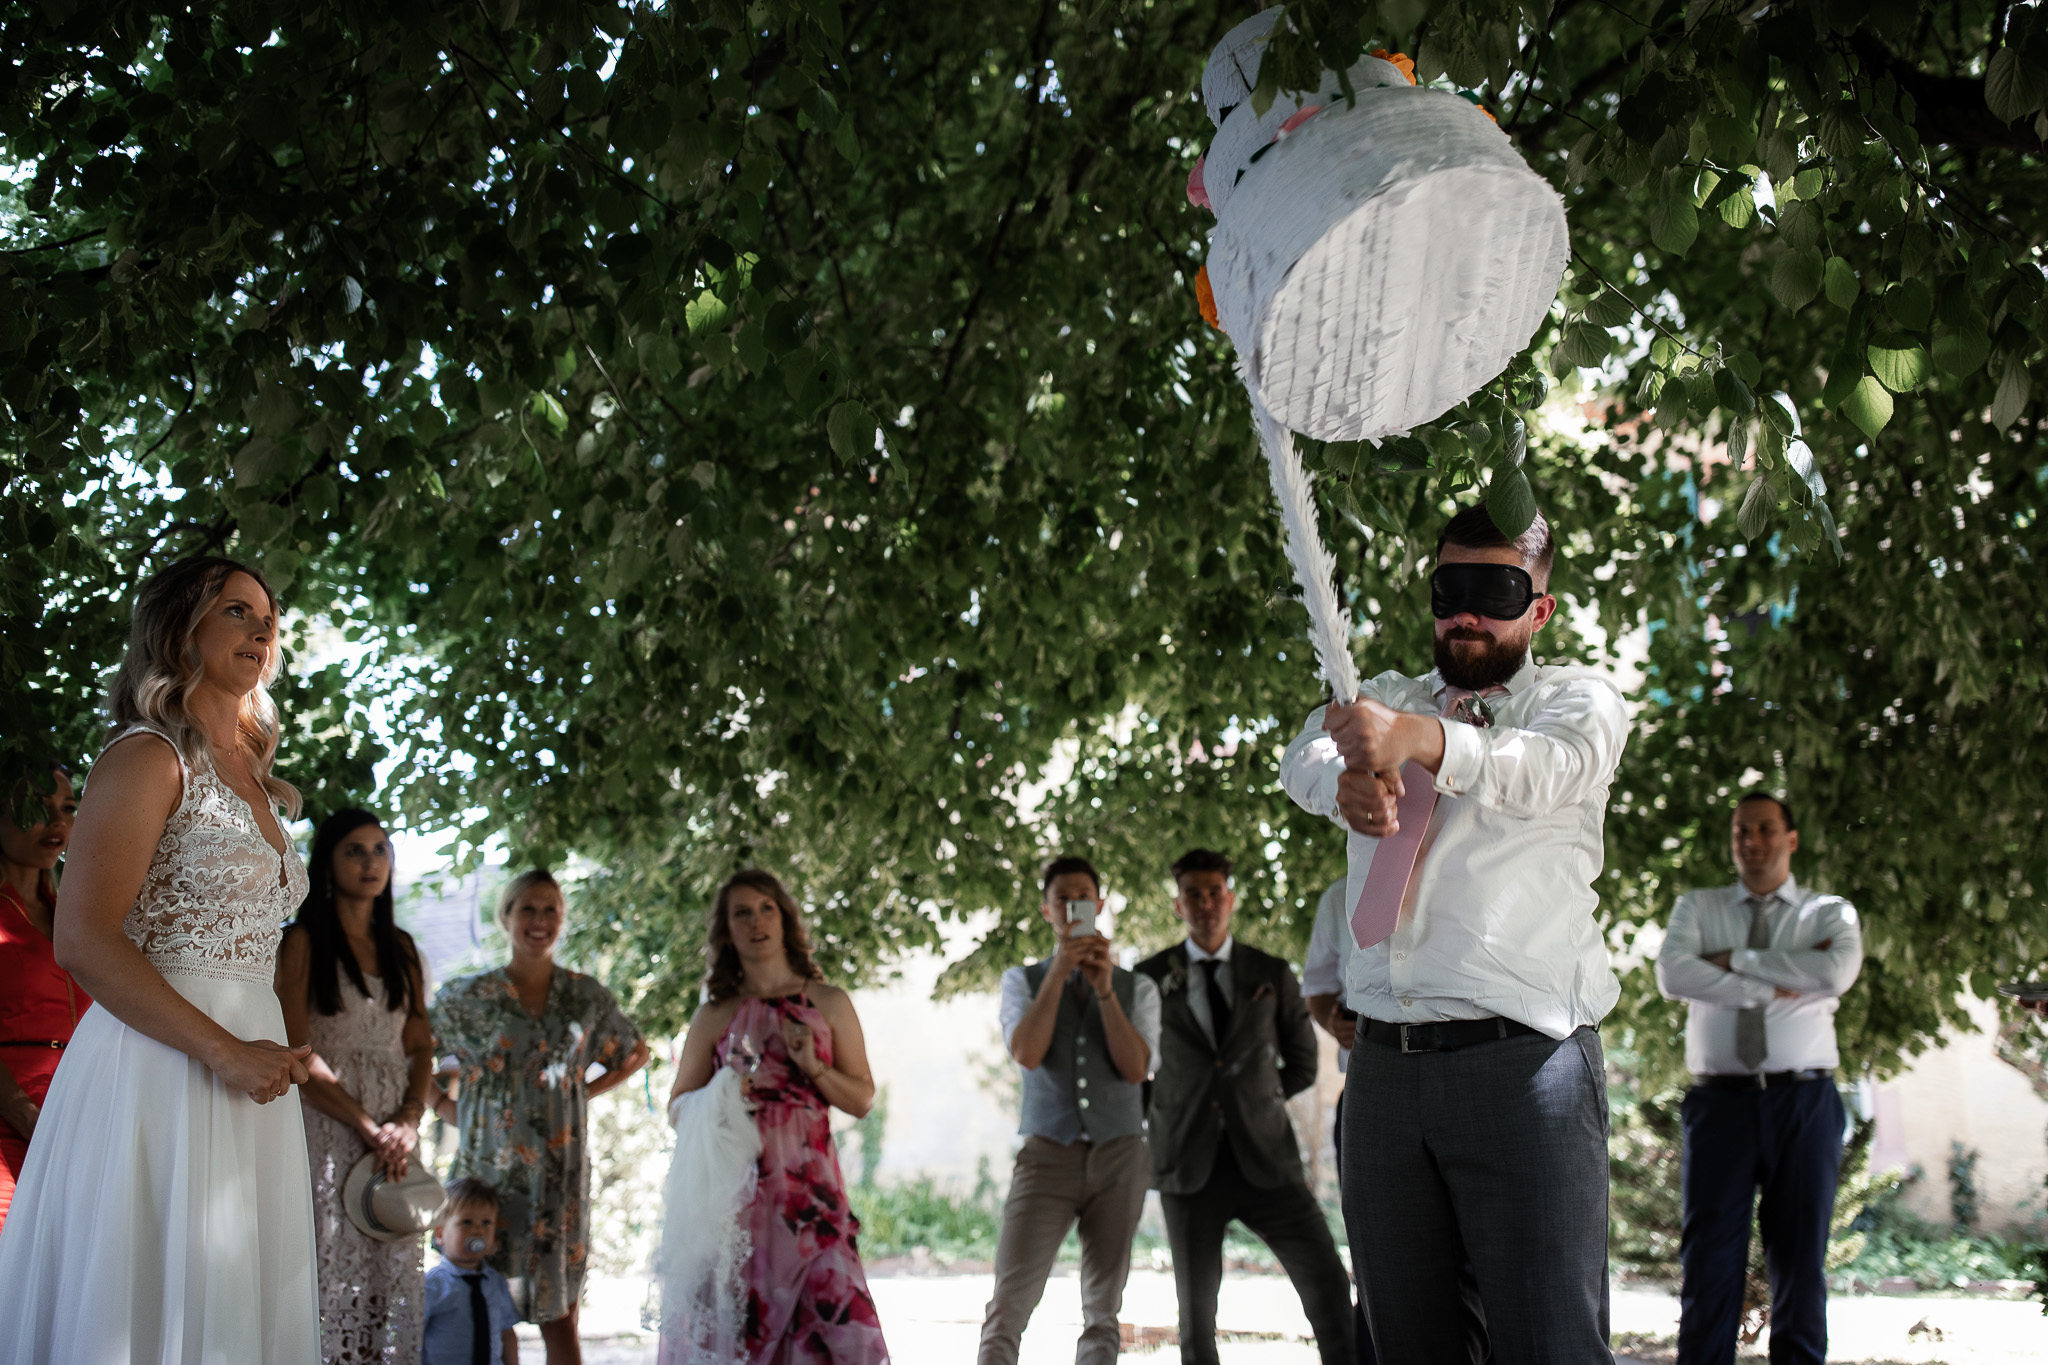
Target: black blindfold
[(1501, 591)]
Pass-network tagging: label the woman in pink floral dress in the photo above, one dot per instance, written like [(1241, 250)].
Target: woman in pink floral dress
[(798, 1047)]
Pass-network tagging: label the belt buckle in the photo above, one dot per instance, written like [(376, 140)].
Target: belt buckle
[(1407, 1050)]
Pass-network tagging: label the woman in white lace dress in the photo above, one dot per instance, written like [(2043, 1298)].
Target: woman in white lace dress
[(350, 983), (165, 1213)]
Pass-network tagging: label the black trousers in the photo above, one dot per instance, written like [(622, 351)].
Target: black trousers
[(1475, 1193), (1288, 1220), (1786, 1142)]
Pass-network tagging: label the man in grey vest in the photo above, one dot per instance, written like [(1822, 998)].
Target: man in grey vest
[(1235, 1042), (1084, 1031)]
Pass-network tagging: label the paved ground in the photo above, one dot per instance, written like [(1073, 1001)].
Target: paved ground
[(935, 1319)]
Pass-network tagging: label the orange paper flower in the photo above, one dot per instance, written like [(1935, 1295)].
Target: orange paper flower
[(1400, 59)]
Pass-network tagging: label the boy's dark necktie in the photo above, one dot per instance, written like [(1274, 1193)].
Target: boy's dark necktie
[(479, 1321)]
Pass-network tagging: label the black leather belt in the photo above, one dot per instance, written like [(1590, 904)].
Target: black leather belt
[(1448, 1036), (57, 1043), (1765, 1080)]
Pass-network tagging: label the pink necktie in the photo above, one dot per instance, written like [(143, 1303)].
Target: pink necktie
[(1393, 862)]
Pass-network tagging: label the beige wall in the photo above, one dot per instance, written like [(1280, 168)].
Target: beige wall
[(1962, 1092)]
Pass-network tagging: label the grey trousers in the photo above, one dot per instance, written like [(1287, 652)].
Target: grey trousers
[(1102, 1187), (1475, 1198)]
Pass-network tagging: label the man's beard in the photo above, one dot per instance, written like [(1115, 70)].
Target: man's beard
[(1492, 666)]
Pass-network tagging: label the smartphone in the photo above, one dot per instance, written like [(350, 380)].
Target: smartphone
[(1081, 918)]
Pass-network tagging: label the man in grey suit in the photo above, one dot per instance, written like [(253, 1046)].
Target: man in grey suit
[(1235, 1040)]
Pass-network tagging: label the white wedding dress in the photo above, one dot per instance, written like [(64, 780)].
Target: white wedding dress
[(163, 1218)]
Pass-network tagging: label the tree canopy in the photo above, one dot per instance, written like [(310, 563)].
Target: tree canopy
[(786, 432)]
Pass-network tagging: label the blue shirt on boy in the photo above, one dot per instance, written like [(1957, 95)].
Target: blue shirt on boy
[(450, 1336)]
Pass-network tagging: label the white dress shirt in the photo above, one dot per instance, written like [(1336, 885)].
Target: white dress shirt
[(1330, 947), (1016, 999), (1198, 983), (1800, 1032), (1502, 921)]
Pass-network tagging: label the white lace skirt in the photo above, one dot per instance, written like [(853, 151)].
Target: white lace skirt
[(162, 1219)]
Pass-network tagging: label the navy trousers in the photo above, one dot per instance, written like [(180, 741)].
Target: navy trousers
[(1787, 1143)]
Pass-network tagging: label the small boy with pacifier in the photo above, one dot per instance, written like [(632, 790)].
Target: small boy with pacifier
[(470, 1313)]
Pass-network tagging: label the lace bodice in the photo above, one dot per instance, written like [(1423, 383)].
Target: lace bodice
[(217, 894)]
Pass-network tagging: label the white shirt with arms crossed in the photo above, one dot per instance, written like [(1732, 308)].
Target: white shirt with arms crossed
[(1798, 1032), (1503, 915)]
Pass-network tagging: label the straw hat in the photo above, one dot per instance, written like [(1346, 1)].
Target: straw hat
[(391, 1210)]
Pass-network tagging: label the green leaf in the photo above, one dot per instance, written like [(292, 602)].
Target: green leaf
[(1736, 437), (1869, 406), (1779, 413), (1960, 353), (1899, 365), (789, 322), (1610, 308), (1511, 502), (845, 141), (549, 408), (2014, 389), (1584, 344), (1841, 283), (1738, 210), (1797, 278), (1754, 516), (2013, 86), (1800, 224), (1733, 393), (1674, 223), (851, 429), (707, 312), (1843, 376), (1748, 366)]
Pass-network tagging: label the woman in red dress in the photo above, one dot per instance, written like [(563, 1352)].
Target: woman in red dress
[(39, 1002)]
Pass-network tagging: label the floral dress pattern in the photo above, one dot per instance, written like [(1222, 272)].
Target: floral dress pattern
[(521, 1115), (807, 1296)]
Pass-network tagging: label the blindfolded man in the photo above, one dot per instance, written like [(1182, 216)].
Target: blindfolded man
[(1475, 1109)]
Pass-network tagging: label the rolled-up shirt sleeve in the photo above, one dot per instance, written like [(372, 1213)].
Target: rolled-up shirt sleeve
[(1016, 998), (1684, 974), (1810, 971), (1564, 754), (1145, 1018)]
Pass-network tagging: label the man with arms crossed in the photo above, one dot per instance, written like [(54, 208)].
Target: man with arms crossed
[(1235, 1043), (1475, 1108), (1084, 1031), (1762, 965)]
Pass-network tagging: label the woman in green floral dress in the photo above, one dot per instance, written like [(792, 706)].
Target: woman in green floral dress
[(523, 1036)]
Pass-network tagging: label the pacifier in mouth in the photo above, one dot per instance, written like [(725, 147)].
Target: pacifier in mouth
[(474, 1246)]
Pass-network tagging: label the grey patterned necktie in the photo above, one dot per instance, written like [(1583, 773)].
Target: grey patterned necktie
[(1750, 1042)]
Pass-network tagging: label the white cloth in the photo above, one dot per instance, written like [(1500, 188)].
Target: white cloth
[(1330, 947), (161, 1216), (1198, 984), (704, 1241), (1800, 1032), (372, 1299), (1016, 999), (1503, 916)]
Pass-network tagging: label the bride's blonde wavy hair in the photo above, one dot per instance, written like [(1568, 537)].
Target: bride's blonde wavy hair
[(163, 664)]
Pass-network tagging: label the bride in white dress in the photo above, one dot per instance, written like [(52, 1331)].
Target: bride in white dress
[(165, 1213)]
